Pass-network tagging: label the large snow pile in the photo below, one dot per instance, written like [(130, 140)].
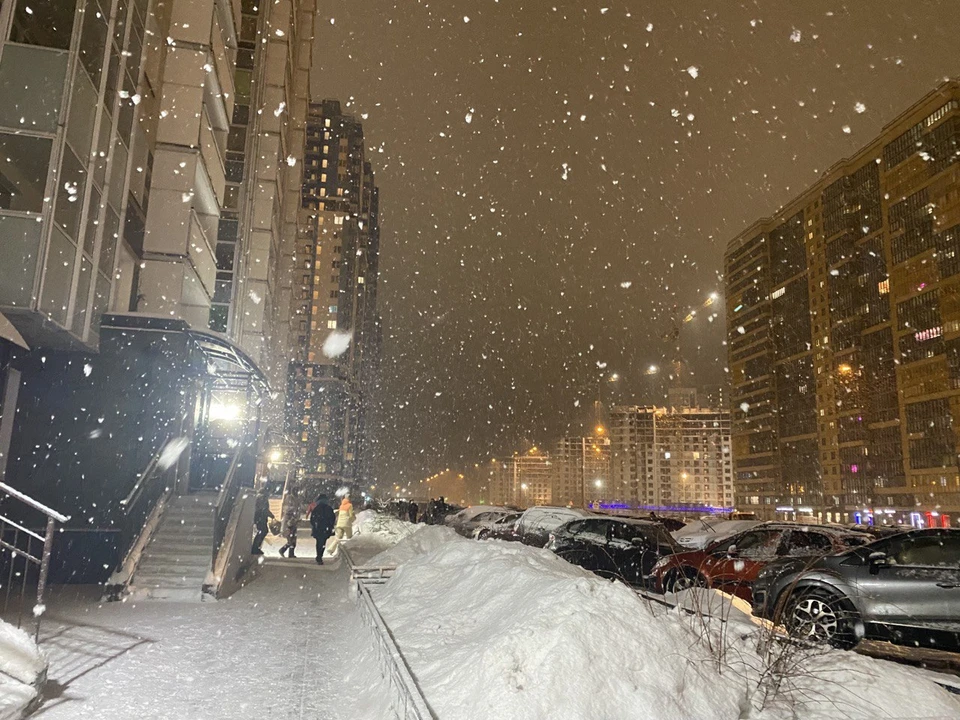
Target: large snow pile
[(375, 532), (23, 669), (507, 631), (424, 539)]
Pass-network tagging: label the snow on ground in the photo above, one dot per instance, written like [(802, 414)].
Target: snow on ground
[(424, 539), (375, 532), (290, 644), (507, 631), (22, 667)]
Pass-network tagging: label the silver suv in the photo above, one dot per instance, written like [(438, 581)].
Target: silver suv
[(904, 588)]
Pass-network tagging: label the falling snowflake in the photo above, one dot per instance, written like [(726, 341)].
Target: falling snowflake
[(795, 36), (337, 343), (745, 406), (625, 284), (860, 107), (846, 129), (466, 18), (468, 118), (87, 369), (172, 452), (693, 71), (291, 160)]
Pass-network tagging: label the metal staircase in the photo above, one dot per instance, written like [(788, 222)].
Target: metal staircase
[(175, 563)]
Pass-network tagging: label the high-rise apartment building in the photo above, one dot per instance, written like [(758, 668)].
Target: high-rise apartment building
[(582, 470), (336, 280), (260, 218), (670, 459), (524, 479), (136, 213), (843, 319)]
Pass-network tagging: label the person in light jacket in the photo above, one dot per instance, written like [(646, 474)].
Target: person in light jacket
[(344, 526)]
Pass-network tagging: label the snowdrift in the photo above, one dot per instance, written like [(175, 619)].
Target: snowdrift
[(23, 670), (374, 533), (423, 539), (507, 631)]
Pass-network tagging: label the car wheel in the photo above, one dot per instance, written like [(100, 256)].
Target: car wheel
[(820, 616), (483, 535), (684, 579)]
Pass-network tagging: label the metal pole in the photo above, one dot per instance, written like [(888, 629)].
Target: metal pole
[(44, 570)]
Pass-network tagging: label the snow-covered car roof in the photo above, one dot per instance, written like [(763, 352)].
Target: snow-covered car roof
[(547, 517)]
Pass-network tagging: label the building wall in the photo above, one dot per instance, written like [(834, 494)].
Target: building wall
[(68, 132), (335, 292), (670, 459), (844, 326), (579, 459), (525, 480)]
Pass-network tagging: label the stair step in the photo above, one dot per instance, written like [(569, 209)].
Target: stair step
[(159, 576), (174, 559)]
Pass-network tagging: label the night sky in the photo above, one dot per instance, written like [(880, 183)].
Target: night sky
[(555, 176)]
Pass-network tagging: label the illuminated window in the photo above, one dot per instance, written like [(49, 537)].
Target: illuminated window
[(326, 123), (324, 163), (332, 324), (323, 177), (883, 287), (333, 308)]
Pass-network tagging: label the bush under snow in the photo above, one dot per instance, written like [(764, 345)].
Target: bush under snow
[(23, 669), (507, 631)]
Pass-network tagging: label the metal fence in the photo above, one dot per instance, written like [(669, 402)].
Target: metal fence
[(28, 549), (410, 704)]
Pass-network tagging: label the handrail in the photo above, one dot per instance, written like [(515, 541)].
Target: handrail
[(147, 471), (24, 550), (228, 480), (228, 493), (49, 512)]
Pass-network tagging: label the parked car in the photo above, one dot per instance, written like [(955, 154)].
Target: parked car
[(732, 564), (486, 516), (903, 588), (462, 517), (501, 528), (536, 523), (697, 534), (620, 548)]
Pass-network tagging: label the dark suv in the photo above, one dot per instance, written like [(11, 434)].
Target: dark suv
[(904, 589), (613, 547)]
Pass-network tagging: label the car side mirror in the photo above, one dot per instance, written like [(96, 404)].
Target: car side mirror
[(639, 542), (877, 561)]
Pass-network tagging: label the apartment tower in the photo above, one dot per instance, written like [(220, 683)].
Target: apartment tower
[(843, 323)]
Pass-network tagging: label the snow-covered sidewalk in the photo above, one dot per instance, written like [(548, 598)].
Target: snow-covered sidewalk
[(286, 646)]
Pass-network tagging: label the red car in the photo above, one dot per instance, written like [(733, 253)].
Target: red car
[(732, 564)]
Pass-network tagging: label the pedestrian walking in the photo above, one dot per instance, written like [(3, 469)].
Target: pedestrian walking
[(322, 522), (412, 511), (291, 517), (261, 518), (344, 526)]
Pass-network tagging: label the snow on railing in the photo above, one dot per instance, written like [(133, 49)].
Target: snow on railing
[(20, 546), (410, 704)]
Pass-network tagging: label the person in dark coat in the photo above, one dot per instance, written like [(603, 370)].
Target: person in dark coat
[(261, 518), (322, 520), (412, 511)]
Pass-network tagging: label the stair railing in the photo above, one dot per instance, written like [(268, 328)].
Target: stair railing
[(140, 502), (225, 500), (22, 547)]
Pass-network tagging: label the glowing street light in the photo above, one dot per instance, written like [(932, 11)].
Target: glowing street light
[(598, 483), (652, 370)]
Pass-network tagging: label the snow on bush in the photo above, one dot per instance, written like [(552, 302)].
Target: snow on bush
[(368, 522), (20, 658), (507, 631), (22, 670)]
